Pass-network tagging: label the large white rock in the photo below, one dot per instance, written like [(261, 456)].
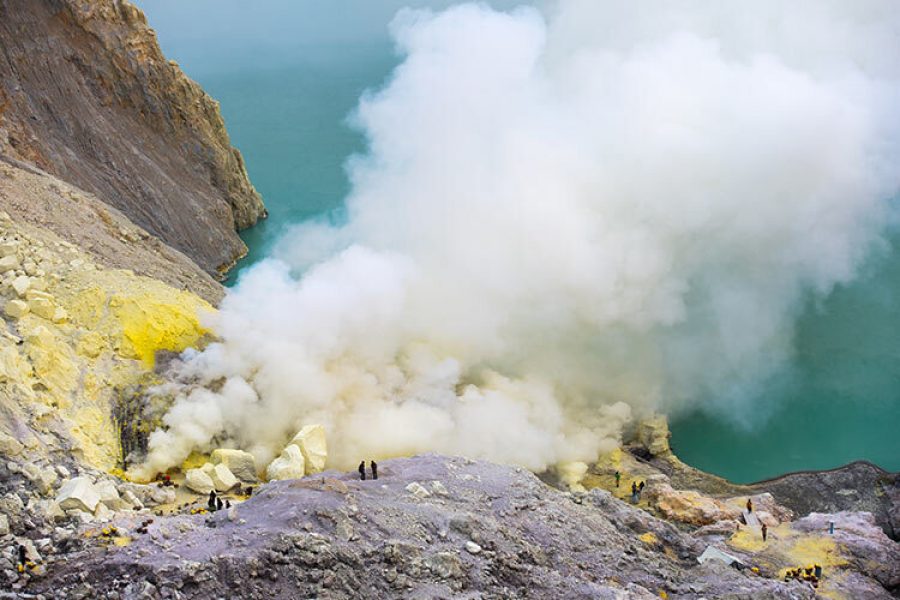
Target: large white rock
[(36, 475), (42, 307), (198, 481), (109, 495), (8, 263), (78, 494), (16, 309), (241, 464), (221, 476), (9, 445), (21, 284), (311, 441), (290, 465)]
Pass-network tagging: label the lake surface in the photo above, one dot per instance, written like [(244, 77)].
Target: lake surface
[(287, 78)]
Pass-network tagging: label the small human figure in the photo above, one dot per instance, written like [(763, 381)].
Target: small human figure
[(23, 557), (374, 470), (831, 527), (634, 489), (219, 504), (618, 478), (765, 531), (362, 470), (749, 505), (211, 503), (817, 571), (641, 487), (227, 503)]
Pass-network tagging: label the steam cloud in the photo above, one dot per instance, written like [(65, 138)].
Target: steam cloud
[(563, 218)]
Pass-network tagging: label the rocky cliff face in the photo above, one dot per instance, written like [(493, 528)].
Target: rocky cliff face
[(87, 95)]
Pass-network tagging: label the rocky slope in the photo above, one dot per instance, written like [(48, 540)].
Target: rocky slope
[(440, 527), (46, 203), (76, 341), (87, 95)]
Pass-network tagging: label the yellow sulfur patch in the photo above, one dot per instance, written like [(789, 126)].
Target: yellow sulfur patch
[(816, 549), (194, 461), (649, 538), (150, 325), (121, 541)]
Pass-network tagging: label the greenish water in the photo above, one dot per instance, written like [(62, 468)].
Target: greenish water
[(288, 76), (839, 402)]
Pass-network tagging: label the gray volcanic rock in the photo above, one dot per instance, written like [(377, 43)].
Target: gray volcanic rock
[(87, 95), (859, 486), (482, 531)]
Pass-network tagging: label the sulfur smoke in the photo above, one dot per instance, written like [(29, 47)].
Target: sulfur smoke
[(563, 218)]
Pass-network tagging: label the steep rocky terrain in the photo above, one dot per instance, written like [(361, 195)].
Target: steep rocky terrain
[(75, 340), (87, 95), (440, 527), (32, 197)]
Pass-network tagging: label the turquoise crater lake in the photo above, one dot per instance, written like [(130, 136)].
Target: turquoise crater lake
[(287, 78)]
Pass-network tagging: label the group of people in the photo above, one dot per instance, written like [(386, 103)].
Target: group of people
[(362, 470), (636, 490), (811, 574), (215, 503)]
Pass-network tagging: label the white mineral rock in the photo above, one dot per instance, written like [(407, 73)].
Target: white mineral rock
[(290, 465)]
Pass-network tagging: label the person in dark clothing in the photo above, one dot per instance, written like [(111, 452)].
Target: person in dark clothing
[(634, 489), (765, 531), (211, 503), (362, 470), (618, 478), (219, 504), (227, 503), (374, 470), (23, 557), (749, 505), (641, 487)]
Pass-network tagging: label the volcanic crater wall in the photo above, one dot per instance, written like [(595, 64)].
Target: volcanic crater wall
[(87, 95)]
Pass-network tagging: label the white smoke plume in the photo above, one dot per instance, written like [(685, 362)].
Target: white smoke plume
[(563, 217)]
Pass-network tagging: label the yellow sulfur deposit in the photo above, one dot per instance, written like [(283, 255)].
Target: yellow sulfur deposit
[(150, 325), (67, 373)]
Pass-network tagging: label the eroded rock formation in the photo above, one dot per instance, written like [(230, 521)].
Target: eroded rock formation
[(87, 95)]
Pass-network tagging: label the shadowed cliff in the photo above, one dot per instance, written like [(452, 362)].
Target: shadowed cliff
[(86, 95)]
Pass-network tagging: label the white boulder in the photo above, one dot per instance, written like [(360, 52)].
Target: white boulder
[(418, 490), (8, 263), (241, 464), (222, 477), (21, 284), (42, 307), (311, 441), (198, 481), (78, 494), (16, 309), (109, 495), (290, 465)]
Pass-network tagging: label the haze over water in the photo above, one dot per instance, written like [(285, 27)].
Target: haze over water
[(287, 78)]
